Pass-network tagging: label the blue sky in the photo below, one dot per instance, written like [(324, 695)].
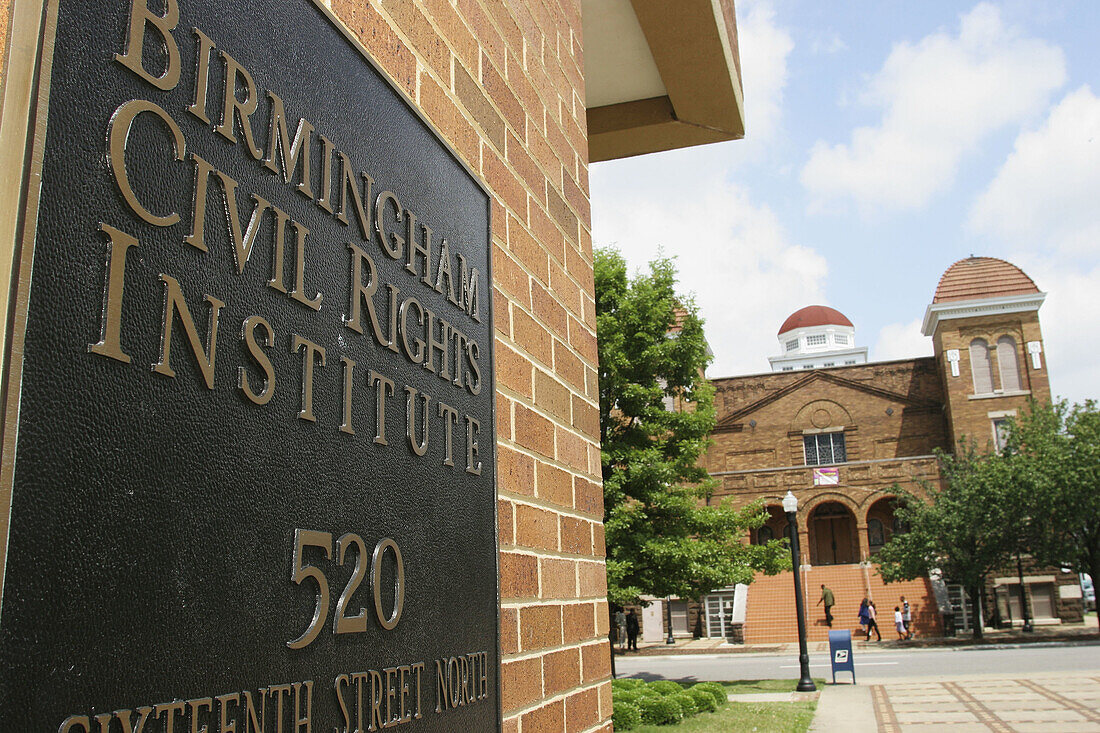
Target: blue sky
[(885, 140)]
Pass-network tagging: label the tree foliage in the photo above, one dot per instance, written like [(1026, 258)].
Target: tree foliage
[(966, 527), (661, 539), (1055, 453)]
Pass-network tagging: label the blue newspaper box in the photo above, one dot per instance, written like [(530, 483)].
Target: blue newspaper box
[(840, 653)]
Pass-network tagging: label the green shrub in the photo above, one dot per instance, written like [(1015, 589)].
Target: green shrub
[(686, 702), (713, 689), (704, 701), (626, 716), (630, 696), (647, 691), (665, 687), (659, 710), (627, 683)]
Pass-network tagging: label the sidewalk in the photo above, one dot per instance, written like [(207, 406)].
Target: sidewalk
[(1068, 633)]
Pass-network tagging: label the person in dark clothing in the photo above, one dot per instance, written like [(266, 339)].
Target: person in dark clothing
[(872, 622), (828, 599), (632, 631)]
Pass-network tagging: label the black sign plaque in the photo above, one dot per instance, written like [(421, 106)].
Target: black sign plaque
[(249, 439)]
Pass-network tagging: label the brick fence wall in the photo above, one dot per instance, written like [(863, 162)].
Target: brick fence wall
[(503, 83)]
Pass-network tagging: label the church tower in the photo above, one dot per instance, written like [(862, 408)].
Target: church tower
[(984, 324)]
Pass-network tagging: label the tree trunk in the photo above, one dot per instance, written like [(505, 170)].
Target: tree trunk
[(977, 621)]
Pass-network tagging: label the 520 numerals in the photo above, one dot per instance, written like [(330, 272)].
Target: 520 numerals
[(342, 623)]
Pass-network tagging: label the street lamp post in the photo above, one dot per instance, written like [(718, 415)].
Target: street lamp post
[(668, 618), (806, 683)]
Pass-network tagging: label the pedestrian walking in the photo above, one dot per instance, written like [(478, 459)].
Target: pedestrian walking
[(872, 621), (907, 618), (828, 599), (620, 628), (864, 618), (632, 631), (899, 623)]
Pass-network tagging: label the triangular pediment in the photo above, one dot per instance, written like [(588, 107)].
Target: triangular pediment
[(733, 420)]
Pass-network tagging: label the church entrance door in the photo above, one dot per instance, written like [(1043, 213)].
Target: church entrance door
[(833, 534)]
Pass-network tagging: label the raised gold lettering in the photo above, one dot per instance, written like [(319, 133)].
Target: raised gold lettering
[(236, 110), (391, 694), (417, 355), (327, 149), (383, 385), (473, 382), (303, 720), (345, 680), (174, 304), (348, 184), (300, 149), (141, 18), (418, 447), (450, 419), (299, 291), (471, 301), (242, 241), (376, 722), (361, 294), (248, 333), (394, 245), (278, 692), (311, 351), (110, 343), (423, 248), (349, 370), (418, 668), (225, 725), (253, 722), (196, 705), (445, 271), (118, 136), (70, 723), (173, 709), (202, 77), (472, 429)]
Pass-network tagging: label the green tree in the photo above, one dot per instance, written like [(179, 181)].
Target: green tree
[(661, 538), (967, 527), (1055, 452)]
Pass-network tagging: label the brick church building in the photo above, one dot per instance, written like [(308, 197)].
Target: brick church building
[(842, 432)]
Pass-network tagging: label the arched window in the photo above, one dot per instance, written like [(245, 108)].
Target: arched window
[(980, 366), (764, 534), (876, 537), (1006, 360)]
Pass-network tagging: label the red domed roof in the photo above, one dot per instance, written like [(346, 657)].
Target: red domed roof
[(982, 277), (814, 315)]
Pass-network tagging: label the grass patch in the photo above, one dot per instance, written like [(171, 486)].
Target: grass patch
[(750, 687), (745, 717)]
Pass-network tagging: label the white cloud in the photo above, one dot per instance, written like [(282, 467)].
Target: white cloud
[(732, 253), (764, 48), (940, 97), (1040, 210), (901, 341), (1045, 195)]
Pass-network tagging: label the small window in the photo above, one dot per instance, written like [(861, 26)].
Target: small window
[(815, 340), (1006, 360), (876, 536), (840, 338), (792, 345), (849, 362), (829, 363), (807, 366), (1000, 433), (980, 367), (788, 369), (824, 448)]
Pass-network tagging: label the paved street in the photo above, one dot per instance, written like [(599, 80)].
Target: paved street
[(873, 666)]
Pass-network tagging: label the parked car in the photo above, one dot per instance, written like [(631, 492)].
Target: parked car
[(1088, 593)]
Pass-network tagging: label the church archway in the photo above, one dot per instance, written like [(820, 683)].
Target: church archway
[(881, 523), (833, 539)]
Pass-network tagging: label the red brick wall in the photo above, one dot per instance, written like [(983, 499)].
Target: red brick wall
[(503, 83)]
